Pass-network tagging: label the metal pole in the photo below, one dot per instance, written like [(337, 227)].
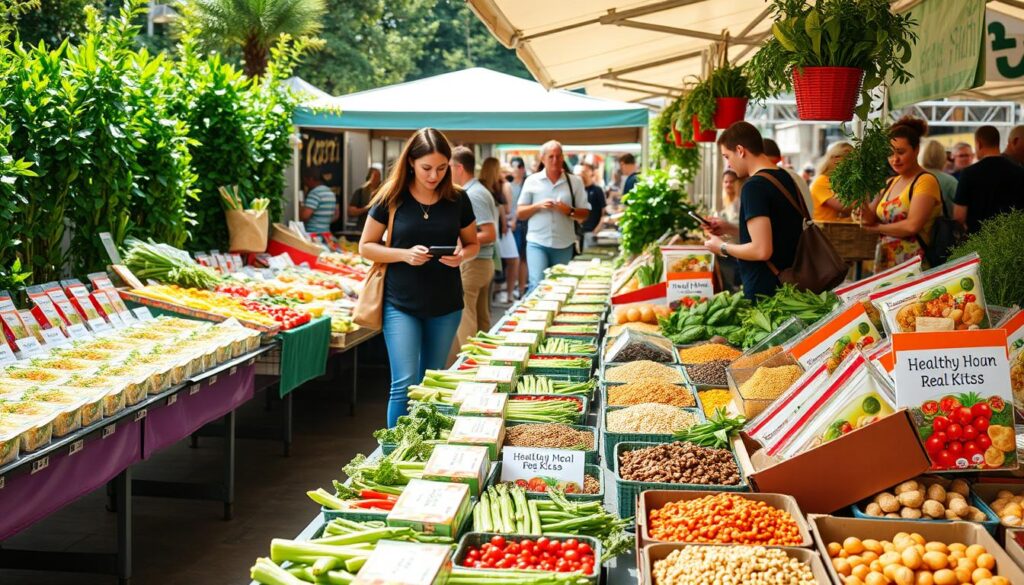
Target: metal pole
[(645, 147)]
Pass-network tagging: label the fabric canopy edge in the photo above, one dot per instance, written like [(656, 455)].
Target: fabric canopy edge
[(494, 121)]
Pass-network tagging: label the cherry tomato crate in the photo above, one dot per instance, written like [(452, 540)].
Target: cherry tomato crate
[(479, 538)]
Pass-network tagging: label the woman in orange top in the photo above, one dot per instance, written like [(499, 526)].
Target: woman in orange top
[(826, 206), (904, 212)]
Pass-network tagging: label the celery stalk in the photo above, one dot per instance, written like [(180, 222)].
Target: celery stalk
[(304, 552), (267, 572)]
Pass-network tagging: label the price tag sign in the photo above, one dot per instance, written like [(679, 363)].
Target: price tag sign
[(78, 331), (232, 371), (115, 321), (140, 415), (99, 325), (212, 380), (76, 447), (172, 399), (143, 313), (555, 467), (29, 346), (108, 430), (7, 354), (3, 482), (194, 389), (39, 465), (54, 336)]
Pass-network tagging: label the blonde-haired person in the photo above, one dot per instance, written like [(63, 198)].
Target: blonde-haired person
[(904, 212), (826, 206), (422, 293), (933, 159), (492, 177)]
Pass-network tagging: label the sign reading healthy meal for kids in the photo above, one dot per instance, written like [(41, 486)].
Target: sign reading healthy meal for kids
[(957, 388), (537, 469), (689, 273)]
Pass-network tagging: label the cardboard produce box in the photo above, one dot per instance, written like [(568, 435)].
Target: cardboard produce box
[(1013, 548), (655, 499), (656, 552), (828, 529), (849, 469)]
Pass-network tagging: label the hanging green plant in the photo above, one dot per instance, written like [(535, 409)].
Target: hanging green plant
[(700, 102), (862, 173), (671, 145)]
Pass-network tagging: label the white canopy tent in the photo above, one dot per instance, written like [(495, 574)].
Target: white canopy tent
[(643, 49)]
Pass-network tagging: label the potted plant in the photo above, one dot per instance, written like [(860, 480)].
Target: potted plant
[(862, 173), (829, 52), (698, 111), (729, 86)]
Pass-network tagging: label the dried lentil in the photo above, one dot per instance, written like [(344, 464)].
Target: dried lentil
[(755, 359), (649, 418), (650, 391), (708, 373), (770, 383), (713, 399), (550, 436), (707, 352), (724, 519), (679, 462), (643, 369), (707, 565), (591, 485)]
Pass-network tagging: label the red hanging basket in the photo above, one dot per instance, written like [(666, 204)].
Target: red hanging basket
[(677, 137), (827, 93), (729, 111), (689, 144), (700, 135), (668, 138)]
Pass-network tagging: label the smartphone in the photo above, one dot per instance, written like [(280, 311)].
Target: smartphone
[(442, 250), (698, 217)]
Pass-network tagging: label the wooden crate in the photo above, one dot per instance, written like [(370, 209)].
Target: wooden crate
[(851, 241)]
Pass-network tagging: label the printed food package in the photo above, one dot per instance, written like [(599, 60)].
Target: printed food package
[(1014, 326), (479, 430), (834, 337), (854, 397), (504, 377), (481, 404), (522, 338), (459, 464), (881, 356), (689, 273), (895, 275), (406, 563), (777, 418), (432, 507), (957, 388), (464, 389), (946, 298)]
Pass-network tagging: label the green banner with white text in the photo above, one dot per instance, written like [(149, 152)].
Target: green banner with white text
[(950, 52)]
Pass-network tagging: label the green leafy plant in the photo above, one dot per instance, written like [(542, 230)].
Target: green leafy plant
[(13, 278), (702, 100), (663, 147), (861, 174), (656, 205), (998, 245), (865, 34)]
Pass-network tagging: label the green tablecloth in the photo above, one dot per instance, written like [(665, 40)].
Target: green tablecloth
[(303, 353)]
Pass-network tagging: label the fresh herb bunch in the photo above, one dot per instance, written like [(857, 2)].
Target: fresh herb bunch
[(998, 245), (771, 312), (716, 433), (729, 81), (865, 34), (650, 274), (658, 204), (861, 174)]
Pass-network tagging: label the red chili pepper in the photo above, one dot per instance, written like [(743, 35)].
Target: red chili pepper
[(380, 504), (372, 495)]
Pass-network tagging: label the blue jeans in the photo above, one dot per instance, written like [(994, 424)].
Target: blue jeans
[(415, 345), (540, 258)]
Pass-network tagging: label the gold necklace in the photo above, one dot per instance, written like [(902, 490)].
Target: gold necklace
[(426, 210)]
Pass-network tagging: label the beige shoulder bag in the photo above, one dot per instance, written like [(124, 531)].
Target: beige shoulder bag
[(369, 311)]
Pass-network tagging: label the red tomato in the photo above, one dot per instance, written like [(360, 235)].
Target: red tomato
[(981, 409), (970, 433), (964, 416), (983, 441), (585, 549), (498, 541), (955, 431), (956, 448), (946, 459), (473, 554), (942, 437), (571, 555), (934, 444), (981, 425), (940, 424), (542, 542)]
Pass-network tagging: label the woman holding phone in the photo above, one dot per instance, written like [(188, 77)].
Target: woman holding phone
[(422, 291)]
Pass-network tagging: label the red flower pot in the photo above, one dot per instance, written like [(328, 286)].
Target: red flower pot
[(689, 144), (827, 93), (701, 135), (668, 138), (729, 111), (677, 137)]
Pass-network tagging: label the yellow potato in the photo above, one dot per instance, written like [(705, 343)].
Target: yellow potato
[(937, 546), (842, 566), (963, 574), (890, 558), (633, 315), (876, 579), (935, 560), (924, 578), (974, 551), (903, 576), (980, 574), (911, 558), (852, 545), (986, 561), (945, 577), (860, 572), (647, 314), (834, 548)]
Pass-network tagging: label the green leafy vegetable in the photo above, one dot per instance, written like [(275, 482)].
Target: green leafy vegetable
[(658, 204), (862, 173), (998, 245), (717, 432)]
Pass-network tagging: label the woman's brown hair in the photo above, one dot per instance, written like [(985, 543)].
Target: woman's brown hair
[(910, 129), (490, 177), (423, 142)]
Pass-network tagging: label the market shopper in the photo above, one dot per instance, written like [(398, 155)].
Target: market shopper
[(552, 200), (320, 205), (627, 166), (993, 185), (768, 222), (774, 154), (595, 197), (422, 293), (501, 190), (1015, 145), (933, 160), (519, 226), (731, 185), (904, 212), (826, 206), (359, 201), (963, 157), (477, 274)]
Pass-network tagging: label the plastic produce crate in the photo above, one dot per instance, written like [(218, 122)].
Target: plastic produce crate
[(478, 538), (991, 524), (581, 416), (610, 439)]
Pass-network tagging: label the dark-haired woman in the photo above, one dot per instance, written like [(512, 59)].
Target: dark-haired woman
[(904, 212), (422, 293)]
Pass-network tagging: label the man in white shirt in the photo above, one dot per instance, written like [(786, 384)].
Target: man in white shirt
[(553, 200), (477, 274)]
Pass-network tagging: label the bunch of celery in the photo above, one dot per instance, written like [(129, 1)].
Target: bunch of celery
[(377, 480), (535, 408), (545, 385)]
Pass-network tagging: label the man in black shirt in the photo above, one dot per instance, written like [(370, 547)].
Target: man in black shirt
[(595, 196), (769, 223), (627, 166), (993, 185)]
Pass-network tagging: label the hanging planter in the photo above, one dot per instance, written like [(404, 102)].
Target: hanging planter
[(829, 52), (827, 93), (700, 134), (677, 137), (729, 110)]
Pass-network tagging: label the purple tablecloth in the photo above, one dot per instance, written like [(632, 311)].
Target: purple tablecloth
[(216, 397), (27, 498)]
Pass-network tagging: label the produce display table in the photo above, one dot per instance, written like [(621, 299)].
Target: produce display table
[(303, 353)]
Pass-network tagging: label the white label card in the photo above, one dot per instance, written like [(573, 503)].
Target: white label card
[(555, 467), (78, 331), (98, 324), (54, 336), (7, 355), (143, 313)]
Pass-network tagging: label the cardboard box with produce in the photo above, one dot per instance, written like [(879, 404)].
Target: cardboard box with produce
[(957, 387)]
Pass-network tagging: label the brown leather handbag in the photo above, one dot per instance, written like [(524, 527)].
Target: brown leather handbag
[(817, 266), (369, 311)]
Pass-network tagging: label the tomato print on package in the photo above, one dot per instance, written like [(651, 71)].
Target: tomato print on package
[(956, 386)]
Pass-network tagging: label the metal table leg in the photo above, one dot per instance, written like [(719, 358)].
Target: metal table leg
[(287, 424), (123, 487), (229, 465), (355, 381)]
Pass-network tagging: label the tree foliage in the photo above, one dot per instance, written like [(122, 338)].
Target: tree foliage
[(463, 41), (52, 21)]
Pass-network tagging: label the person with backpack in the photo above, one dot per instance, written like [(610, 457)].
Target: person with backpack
[(904, 213), (993, 185), (769, 216)]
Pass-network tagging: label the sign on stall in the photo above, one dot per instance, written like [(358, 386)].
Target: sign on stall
[(553, 467), (689, 273)]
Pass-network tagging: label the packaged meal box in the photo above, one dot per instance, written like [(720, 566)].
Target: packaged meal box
[(531, 326), (689, 273), (515, 356), (12, 427), (945, 298), (466, 464), (432, 507), (1014, 326), (478, 430), (37, 421), (535, 315), (855, 397), (861, 288), (528, 339), (504, 377), (465, 389), (550, 303), (406, 563), (834, 337), (485, 405), (881, 356)]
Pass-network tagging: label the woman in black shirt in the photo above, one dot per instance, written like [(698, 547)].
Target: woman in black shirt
[(422, 293)]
